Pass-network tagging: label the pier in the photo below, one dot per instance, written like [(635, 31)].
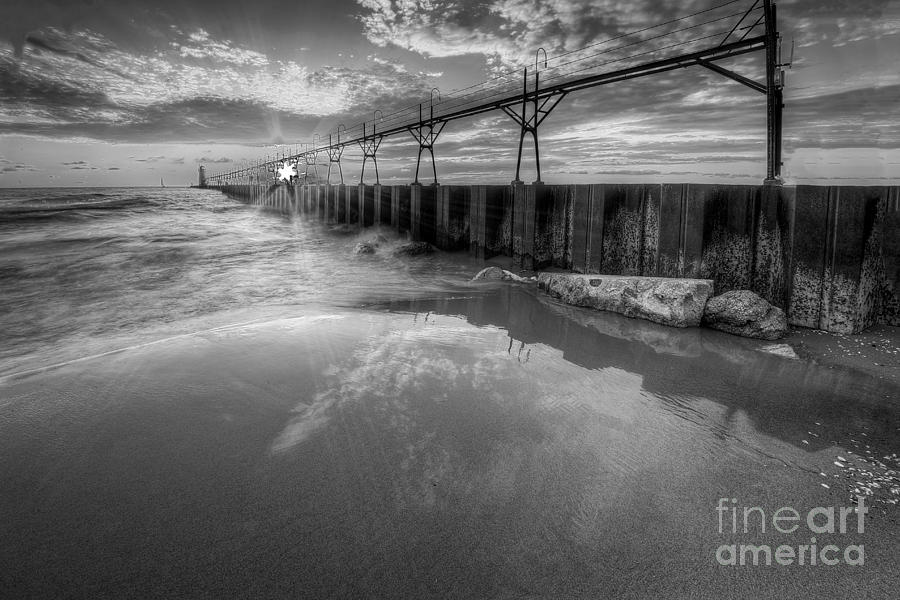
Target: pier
[(828, 255)]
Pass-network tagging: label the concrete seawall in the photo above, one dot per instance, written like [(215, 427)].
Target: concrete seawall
[(829, 256)]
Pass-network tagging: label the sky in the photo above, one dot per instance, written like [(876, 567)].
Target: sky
[(127, 92)]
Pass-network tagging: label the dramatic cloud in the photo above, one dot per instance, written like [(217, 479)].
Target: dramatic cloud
[(20, 17), (197, 88), (508, 32), (212, 76)]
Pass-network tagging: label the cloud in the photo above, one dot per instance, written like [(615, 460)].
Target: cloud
[(200, 46), (507, 32), (79, 165), (437, 28), (20, 17), (858, 118), (16, 167), (194, 89), (839, 23)]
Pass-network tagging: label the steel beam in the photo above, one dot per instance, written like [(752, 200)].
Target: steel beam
[(753, 85), (528, 123)]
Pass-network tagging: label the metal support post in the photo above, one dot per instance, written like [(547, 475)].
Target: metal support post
[(426, 134), (774, 96), (530, 123)]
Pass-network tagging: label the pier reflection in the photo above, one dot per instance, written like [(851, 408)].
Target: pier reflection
[(784, 397)]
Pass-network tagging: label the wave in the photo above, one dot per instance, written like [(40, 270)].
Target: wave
[(81, 197), (77, 207)]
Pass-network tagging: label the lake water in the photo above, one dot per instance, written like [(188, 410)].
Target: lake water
[(202, 399)]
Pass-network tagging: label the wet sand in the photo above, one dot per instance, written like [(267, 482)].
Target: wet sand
[(874, 352), (492, 444)]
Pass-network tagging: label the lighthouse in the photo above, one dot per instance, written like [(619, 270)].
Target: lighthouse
[(202, 182)]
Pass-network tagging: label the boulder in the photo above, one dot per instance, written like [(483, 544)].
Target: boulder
[(497, 274), (744, 313), (364, 248), (413, 249), (674, 302)]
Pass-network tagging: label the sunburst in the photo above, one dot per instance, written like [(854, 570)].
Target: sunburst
[(286, 172)]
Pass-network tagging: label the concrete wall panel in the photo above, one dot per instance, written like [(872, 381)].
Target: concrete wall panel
[(830, 256)]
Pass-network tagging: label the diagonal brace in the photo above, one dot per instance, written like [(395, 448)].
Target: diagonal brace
[(546, 112), (753, 85)]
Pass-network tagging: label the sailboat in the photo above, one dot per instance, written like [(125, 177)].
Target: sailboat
[(161, 182)]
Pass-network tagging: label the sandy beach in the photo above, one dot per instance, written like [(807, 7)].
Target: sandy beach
[(489, 445)]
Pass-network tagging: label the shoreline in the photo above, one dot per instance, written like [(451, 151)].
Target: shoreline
[(874, 352)]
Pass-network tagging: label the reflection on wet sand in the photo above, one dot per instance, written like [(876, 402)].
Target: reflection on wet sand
[(686, 363), (492, 446)]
